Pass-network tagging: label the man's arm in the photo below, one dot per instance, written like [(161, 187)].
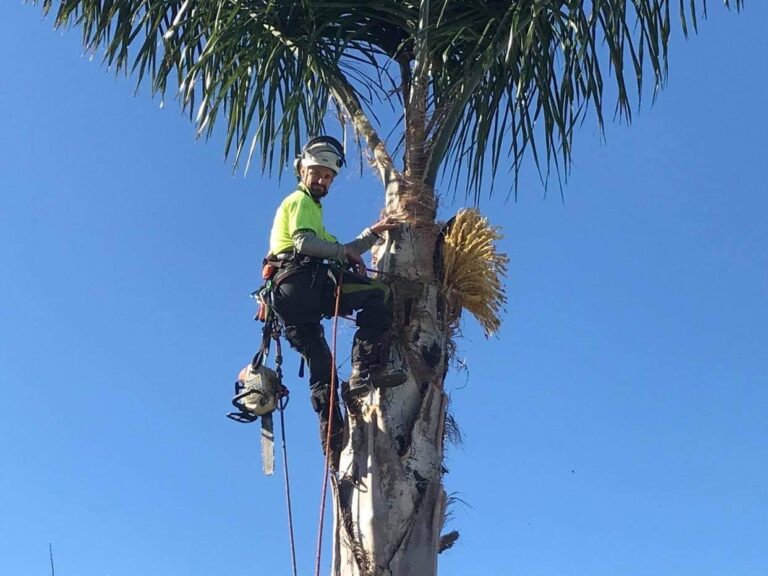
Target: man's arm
[(307, 243), (370, 235), (363, 242)]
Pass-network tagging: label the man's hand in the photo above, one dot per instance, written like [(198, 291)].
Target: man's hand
[(356, 261), (384, 224)]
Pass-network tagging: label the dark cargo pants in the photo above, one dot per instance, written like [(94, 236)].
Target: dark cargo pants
[(304, 297)]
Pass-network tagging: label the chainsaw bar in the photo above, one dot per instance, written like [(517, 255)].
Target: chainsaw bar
[(267, 444)]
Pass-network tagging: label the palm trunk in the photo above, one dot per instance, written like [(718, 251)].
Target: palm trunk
[(389, 502)]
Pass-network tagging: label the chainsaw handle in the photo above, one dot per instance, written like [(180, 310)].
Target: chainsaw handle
[(242, 417)]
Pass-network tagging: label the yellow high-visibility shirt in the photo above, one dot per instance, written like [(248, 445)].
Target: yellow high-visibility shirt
[(299, 211)]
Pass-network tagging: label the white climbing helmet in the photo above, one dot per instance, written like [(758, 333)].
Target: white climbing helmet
[(321, 151)]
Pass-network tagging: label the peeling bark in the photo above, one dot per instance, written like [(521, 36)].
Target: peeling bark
[(389, 502)]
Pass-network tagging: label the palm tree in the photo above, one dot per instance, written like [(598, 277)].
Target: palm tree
[(479, 85)]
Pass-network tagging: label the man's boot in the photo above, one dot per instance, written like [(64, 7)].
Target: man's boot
[(364, 379), (320, 398), (370, 361), (337, 435)]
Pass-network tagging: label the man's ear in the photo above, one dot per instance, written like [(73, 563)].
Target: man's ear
[(297, 167)]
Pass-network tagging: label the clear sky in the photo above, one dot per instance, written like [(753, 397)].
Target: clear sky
[(617, 426)]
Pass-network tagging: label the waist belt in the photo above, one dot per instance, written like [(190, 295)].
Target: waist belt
[(285, 258), (287, 264)]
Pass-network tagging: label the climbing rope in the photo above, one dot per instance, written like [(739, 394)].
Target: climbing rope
[(330, 426), (281, 408), (272, 331), (281, 405)]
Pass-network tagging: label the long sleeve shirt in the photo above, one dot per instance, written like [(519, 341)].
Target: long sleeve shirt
[(298, 225)]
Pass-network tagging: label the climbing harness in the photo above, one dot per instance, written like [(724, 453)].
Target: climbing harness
[(330, 426)]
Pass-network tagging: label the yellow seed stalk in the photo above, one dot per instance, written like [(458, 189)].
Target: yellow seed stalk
[(473, 269)]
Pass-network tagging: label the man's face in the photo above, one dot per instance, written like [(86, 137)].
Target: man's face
[(318, 179)]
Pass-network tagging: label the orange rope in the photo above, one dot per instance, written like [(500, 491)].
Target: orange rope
[(330, 426)]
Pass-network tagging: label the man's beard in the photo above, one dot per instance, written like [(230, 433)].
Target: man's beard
[(318, 191)]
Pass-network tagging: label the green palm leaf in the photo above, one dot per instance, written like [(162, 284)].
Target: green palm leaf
[(477, 84)]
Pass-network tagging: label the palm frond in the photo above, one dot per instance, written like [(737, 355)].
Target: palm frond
[(504, 80), (517, 78), (269, 67)]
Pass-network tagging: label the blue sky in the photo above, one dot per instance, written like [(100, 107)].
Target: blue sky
[(616, 426)]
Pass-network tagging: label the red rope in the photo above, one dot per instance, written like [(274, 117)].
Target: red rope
[(330, 427)]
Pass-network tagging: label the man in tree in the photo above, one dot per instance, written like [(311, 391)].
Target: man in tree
[(300, 248), (479, 85)]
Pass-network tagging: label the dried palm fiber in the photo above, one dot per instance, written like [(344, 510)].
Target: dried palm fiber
[(473, 269)]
